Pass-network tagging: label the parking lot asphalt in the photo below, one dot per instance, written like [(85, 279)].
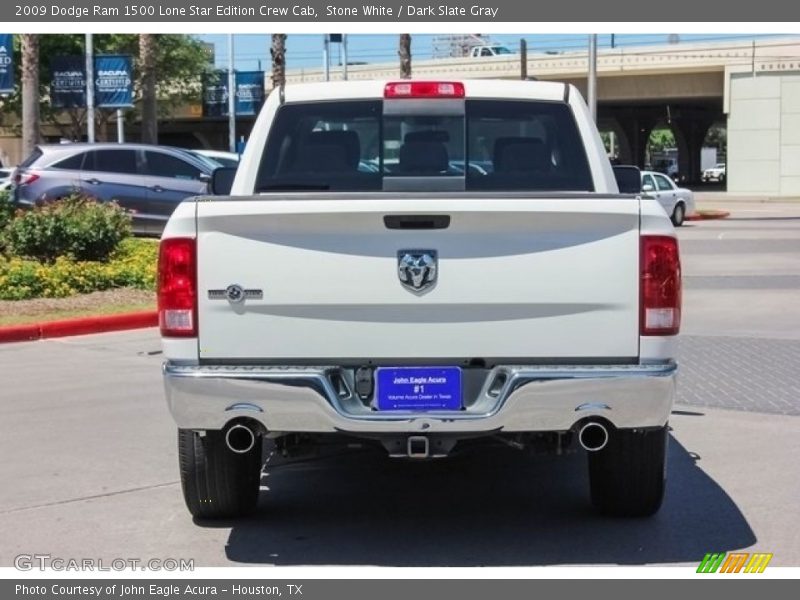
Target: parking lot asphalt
[(90, 465)]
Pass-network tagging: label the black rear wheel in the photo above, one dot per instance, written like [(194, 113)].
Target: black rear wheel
[(678, 214), (217, 482), (627, 477)]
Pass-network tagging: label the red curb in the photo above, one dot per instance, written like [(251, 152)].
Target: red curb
[(20, 333), (707, 215), (79, 326)]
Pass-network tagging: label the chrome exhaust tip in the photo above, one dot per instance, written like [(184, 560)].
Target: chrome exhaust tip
[(593, 436), (240, 439)]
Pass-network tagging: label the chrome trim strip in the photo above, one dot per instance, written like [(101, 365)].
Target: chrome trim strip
[(304, 398)]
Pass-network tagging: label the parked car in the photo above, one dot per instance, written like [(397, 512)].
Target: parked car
[(223, 159), (677, 201), (484, 50), (715, 173), (149, 181), (667, 166), (5, 179)]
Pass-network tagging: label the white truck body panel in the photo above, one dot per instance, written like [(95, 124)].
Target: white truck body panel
[(524, 278)]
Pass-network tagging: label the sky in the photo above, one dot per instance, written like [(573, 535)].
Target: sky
[(251, 52)]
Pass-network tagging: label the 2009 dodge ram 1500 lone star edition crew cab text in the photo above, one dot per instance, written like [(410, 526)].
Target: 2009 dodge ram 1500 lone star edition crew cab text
[(420, 263)]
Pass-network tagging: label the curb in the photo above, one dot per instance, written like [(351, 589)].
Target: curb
[(722, 197), (78, 326), (706, 215)]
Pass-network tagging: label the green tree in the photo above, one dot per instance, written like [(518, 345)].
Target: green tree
[(661, 139), (717, 137), (180, 61)]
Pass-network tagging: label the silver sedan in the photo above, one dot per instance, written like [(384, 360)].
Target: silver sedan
[(677, 201)]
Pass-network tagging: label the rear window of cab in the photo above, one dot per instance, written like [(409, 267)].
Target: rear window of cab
[(495, 145)]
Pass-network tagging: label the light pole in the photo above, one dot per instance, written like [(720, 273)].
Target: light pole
[(592, 86), (231, 97), (344, 56), (120, 127), (326, 61), (89, 88)]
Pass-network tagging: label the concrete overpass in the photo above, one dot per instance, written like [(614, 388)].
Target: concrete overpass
[(751, 87)]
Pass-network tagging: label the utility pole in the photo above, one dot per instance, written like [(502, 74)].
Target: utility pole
[(326, 62), (523, 59), (344, 56), (89, 88), (592, 86), (231, 98)]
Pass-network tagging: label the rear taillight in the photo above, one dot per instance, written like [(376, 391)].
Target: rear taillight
[(24, 178), (660, 286), (424, 89), (177, 287)]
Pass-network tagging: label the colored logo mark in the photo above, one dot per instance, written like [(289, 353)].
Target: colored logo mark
[(735, 562)]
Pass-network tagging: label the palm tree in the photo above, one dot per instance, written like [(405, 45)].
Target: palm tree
[(404, 51), (278, 53), (30, 92), (147, 61)]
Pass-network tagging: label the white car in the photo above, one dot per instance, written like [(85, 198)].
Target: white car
[(677, 201), (5, 179), (715, 173), (485, 50)]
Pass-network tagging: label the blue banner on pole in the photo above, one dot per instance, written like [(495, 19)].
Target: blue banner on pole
[(68, 83), (113, 81), (215, 94), (249, 92), (6, 63)]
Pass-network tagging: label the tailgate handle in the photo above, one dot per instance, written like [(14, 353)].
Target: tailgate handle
[(417, 221)]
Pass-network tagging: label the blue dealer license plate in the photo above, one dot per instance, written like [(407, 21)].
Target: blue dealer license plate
[(418, 388)]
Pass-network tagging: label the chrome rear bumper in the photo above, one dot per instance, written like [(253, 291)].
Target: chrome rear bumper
[(529, 398)]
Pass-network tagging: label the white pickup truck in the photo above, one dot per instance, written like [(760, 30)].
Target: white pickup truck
[(415, 264)]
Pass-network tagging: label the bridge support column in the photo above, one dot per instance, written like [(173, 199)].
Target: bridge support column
[(636, 131), (689, 135)]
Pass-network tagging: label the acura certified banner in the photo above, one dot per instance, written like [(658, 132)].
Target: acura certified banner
[(6, 63), (113, 81), (215, 94), (249, 92), (68, 83)]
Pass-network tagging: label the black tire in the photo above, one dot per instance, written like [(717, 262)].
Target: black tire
[(721, 179), (217, 482), (678, 214), (627, 477)]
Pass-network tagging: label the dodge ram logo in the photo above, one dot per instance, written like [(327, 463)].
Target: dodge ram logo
[(417, 269)]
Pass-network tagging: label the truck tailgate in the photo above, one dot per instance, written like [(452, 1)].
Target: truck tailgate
[(526, 278)]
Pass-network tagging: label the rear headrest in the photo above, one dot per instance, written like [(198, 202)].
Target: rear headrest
[(430, 135), (424, 158), (520, 154), (329, 151)]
